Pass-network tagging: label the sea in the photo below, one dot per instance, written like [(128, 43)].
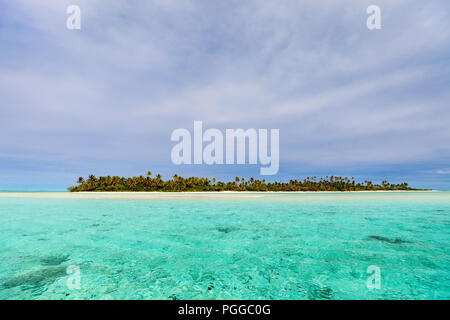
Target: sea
[(288, 246)]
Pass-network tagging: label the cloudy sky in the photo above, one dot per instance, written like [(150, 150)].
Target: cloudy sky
[(105, 99)]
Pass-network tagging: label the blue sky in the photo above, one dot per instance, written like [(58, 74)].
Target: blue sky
[(105, 99)]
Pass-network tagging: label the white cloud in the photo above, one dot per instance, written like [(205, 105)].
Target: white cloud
[(117, 87)]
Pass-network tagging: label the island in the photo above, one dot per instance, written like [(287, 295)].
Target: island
[(195, 184)]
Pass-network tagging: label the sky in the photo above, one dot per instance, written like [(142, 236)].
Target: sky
[(370, 104)]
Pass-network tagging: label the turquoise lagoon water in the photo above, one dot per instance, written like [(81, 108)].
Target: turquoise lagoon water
[(275, 246)]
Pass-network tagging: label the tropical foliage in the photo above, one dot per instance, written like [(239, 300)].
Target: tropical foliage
[(179, 184)]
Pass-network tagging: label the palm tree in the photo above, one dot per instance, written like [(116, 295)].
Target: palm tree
[(141, 183)]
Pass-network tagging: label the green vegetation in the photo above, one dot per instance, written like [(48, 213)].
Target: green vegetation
[(178, 184)]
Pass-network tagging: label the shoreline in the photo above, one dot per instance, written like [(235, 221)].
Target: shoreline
[(211, 194)]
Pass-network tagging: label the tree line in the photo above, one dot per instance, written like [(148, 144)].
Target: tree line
[(180, 184)]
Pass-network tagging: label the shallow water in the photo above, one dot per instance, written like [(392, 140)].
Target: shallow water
[(275, 246)]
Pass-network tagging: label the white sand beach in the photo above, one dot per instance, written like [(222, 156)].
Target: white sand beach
[(300, 195)]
